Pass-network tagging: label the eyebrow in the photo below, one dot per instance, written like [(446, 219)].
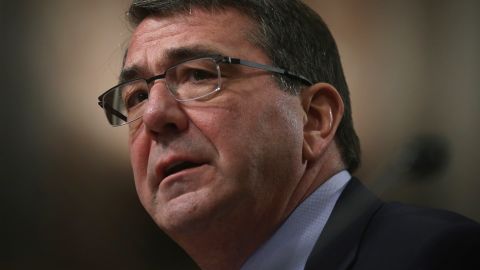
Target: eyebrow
[(128, 74), (171, 57), (176, 55)]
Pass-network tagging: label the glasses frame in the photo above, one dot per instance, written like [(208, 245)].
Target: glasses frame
[(218, 59)]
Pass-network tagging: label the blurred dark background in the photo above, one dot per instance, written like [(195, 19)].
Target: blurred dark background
[(67, 199)]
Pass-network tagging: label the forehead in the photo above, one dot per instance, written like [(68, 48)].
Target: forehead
[(157, 41)]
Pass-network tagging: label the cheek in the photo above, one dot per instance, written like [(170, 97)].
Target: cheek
[(225, 127), (139, 147), (276, 134), (217, 122), (252, 135)]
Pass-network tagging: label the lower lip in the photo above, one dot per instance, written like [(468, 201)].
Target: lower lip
[(183, 174)]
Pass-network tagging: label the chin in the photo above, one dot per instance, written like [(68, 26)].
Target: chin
[(197, 211), (187, 212)]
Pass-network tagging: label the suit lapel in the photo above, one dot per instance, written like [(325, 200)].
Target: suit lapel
[(337, 245)]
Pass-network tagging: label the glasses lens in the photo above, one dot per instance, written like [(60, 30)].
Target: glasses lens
[(125, 103), (193, 79), (189, 80)]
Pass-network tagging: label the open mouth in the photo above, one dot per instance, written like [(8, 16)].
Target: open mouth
[(180, 166)]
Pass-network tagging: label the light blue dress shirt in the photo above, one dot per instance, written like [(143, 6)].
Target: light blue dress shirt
[(291, 244)]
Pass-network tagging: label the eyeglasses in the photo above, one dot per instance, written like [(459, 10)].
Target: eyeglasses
[(189, 80)]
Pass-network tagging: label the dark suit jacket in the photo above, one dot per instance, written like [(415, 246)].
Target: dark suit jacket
[(364, 233)]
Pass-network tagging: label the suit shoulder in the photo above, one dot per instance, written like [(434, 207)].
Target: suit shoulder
[(413, 237), (419, 217), (408, 224)]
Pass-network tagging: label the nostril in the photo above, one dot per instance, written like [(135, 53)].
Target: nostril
[(167, 131), (171, 127)]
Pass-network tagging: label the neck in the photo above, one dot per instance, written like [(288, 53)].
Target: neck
[(214, 247), (317, 172)]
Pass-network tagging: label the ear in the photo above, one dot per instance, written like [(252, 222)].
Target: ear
[(323, 108)]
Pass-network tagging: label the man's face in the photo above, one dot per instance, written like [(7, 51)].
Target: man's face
[(239, 152)]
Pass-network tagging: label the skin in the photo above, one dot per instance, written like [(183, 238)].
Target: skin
[(261, 150)]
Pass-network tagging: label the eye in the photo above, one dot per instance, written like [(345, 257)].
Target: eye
[(199, 75), (193, 78), (135, 97)]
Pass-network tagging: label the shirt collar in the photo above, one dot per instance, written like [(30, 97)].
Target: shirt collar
[(291, 244)]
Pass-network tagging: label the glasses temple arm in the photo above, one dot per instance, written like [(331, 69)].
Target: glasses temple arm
[(111, 110), (277, 70)]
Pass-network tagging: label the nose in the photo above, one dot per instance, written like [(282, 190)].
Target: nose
[(163, 114)]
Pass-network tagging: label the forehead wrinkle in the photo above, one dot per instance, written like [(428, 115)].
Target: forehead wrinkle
[(147, 37), (197, 17)]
